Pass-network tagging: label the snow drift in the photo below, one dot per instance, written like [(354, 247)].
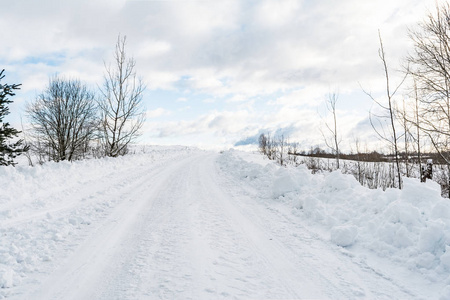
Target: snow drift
[(44, 210), (410, 226), (47, 210)]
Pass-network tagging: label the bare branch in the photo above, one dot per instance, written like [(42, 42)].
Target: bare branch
[(121, 106)]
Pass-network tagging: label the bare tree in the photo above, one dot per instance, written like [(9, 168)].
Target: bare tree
[(390, 136), (359, 163), (411, 122), (334, 141), (417, 125), (293, 152), (263, 144), (64, 119), (430, 67), (121, 106), (281, 144), (406, 124), (27, 142), (271, 150)]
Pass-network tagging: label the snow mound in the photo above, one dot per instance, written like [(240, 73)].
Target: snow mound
[(284, 182), (409, 226), (6, 277), (344, 235)]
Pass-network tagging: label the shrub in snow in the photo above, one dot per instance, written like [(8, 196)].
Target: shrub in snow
[(344, 235)]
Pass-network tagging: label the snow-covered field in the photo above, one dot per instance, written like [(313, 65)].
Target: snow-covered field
[(181, 223)]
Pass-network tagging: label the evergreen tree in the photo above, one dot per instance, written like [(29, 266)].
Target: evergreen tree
[(8, 151)]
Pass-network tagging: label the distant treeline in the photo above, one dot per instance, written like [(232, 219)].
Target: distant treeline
[(372, 156)]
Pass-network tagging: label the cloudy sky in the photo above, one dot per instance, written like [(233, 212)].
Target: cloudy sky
[(218, 72)]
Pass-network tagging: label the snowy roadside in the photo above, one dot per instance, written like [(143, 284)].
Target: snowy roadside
[(334, 237), (406, 229), (45, 211)]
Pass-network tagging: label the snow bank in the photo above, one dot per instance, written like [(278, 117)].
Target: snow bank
[(344, 235), (44, 209), (409, 226)]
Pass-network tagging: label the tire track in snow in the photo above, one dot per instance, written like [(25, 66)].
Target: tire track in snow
[(185, 232), (197, 250), (104, 235)]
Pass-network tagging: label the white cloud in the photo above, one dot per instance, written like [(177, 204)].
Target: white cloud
[(237, 98), (232, 53), (311, 95), (151, 48), (184, 108), (221, 123), (208, 84), (160, 80), (277, 13), (150, 114)]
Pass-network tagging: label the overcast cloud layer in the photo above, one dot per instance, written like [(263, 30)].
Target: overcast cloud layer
[(218, 72)]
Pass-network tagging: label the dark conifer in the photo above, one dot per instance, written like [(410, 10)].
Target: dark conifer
[(8, 151)]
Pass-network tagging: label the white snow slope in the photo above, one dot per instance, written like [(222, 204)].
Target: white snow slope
[(180, 223)]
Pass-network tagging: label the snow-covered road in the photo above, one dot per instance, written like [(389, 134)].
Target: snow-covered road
[(185, 229)]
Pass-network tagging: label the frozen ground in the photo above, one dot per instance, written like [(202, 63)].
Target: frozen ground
[(179, 223)]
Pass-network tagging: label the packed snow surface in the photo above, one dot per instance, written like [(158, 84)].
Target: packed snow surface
[(180, 223)]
